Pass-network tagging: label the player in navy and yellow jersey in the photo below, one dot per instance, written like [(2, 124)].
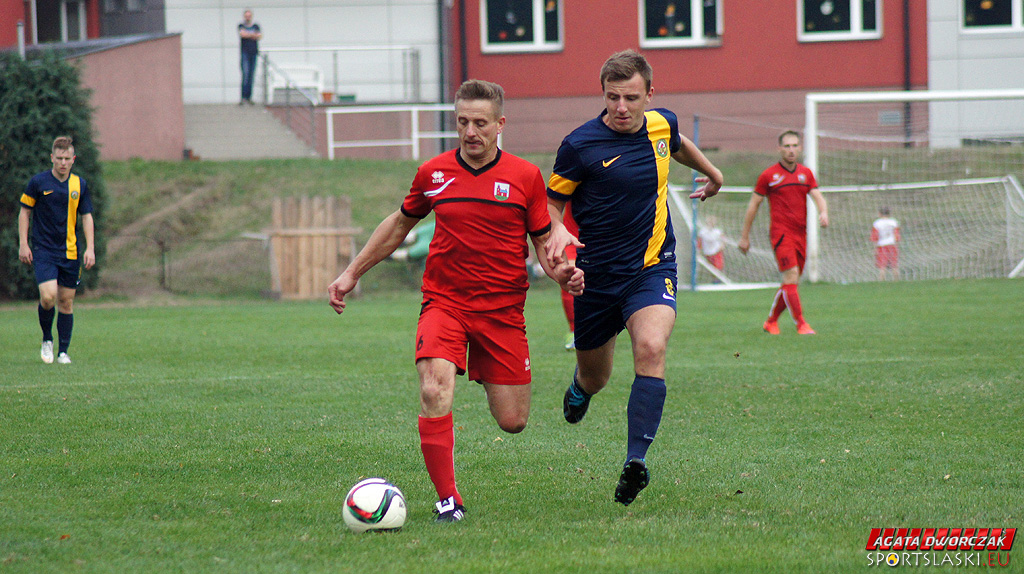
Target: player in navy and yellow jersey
[(615, 169), (486, 203), (786, 185), (51, 206)]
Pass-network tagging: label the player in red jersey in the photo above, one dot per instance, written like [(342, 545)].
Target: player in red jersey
[(786, 185), (485, 203), (567, 299)]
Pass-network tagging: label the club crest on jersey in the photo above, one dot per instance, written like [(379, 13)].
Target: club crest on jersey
[(74, 195), (501, 190), (802, 178), (662, 148), (437, 177)]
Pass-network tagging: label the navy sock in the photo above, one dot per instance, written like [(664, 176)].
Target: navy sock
[(65, 322), (46, 322), (646, 401)]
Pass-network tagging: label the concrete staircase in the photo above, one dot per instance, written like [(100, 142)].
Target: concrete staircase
[(230, 132)]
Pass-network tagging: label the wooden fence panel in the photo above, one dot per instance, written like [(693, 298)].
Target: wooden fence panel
[(312, 240)]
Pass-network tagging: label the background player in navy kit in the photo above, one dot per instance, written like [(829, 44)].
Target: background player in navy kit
[(484, 201), (52, 202), (614, 168)]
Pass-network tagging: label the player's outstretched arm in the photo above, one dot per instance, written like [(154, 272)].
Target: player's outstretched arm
[(691, 156), (559, 238), (385, 239)]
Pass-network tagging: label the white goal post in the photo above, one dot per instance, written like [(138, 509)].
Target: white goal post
[(951, 134), (947, 164)]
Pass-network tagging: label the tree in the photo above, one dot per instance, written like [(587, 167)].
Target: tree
[(40, 100)]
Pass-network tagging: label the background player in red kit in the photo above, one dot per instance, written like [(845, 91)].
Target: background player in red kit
[(485, 203), (885, 234), (786, 185)]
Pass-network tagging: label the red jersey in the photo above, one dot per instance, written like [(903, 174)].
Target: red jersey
[(787, 198), (477, 259), (572, 227)]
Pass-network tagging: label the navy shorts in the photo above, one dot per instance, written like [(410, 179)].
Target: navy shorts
[(49, 266), (602, 311)]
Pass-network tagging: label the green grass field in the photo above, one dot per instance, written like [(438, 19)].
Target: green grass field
[(223, 438)]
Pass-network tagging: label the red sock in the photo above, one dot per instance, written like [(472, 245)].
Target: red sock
[(778, 305), (437, 441), (570, 310), (793, 301)]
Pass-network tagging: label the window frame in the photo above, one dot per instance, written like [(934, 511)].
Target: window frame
[(696, 23), (1016, 20), (539, 42), (856, 32)]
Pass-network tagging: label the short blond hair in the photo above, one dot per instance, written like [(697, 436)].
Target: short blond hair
[(482, 90)]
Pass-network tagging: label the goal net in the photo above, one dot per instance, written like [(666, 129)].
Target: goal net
[(946, 165)]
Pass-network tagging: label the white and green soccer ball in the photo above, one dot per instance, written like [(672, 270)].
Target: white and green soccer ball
[(374, 504)]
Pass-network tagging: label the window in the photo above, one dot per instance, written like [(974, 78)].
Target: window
[(993, 15), (679, 23), (832, 20), (521, 25), (119, 6)]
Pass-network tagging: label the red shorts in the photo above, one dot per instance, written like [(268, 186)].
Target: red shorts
[(887, 257), (717, 260), (498, 351), (790, 251)]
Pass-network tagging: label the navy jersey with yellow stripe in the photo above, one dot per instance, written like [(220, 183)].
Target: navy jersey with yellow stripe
[(618, 184), (55, 208)]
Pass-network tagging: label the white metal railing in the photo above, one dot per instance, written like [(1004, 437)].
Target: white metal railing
[(416, 133), (410, 72)]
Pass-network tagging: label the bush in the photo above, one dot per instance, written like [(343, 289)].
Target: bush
[(40, 100)]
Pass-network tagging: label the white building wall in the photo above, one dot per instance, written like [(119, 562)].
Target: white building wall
[(210, 44), (960, 59)]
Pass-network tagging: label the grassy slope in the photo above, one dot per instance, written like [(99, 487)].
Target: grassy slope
[(198, 208)]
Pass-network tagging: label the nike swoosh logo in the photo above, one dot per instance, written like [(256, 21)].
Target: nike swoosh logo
[(667, 296), (47, 192), (608, 162), (434, 192)]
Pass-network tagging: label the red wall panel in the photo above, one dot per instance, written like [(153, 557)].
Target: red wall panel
[(759, 51)]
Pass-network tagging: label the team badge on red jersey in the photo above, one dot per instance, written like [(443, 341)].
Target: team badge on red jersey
[(501, 190)]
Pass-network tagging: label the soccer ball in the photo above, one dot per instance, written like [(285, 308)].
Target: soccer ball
[(374, 504)]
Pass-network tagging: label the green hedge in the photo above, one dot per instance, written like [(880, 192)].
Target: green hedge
[(40, 100)]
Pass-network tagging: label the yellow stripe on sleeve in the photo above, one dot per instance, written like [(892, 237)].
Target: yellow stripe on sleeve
[(562, 186), (28, 200)]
